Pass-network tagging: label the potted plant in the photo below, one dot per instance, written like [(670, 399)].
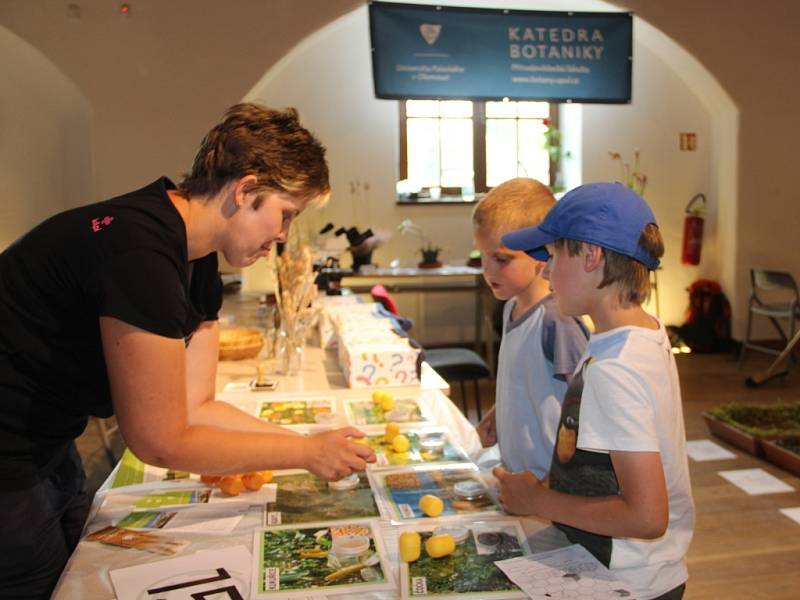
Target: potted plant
[(430, 252), (745, 426)]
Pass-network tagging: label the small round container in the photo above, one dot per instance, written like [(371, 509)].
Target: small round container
[(350, 549), (324, 418), (346, 483), (458, 532), (432, 444), (469, 490)]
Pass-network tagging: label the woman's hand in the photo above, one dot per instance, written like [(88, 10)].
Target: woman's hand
[(518, 491), (332, 455), (487, 429)]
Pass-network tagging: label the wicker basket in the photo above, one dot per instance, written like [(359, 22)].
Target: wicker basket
[(240, 343)]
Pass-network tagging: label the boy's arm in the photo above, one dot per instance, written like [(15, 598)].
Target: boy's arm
[(641, 510)]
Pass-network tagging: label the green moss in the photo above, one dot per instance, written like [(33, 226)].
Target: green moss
[(761, 421)]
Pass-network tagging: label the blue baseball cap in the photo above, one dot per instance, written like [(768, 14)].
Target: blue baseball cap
[(609, 215)]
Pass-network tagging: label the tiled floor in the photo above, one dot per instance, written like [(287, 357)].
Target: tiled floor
[(743, 547)]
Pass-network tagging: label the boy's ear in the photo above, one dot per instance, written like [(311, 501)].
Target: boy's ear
[(593, 257)]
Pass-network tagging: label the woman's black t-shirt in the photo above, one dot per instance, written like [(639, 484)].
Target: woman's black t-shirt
[(124, 258)]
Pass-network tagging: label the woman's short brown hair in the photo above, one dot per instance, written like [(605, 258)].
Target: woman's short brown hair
[(271, 144), (631, 276)]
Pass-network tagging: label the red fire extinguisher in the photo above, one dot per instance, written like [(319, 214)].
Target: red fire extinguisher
[(693, 230)]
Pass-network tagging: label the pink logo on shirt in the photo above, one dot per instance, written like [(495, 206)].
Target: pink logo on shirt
[(98, 224)]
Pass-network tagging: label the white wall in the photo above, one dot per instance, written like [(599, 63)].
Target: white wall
[(328, 78), (45, 149)]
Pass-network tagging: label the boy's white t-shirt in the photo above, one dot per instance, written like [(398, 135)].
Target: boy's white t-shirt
[(535, 348), (631, 401)]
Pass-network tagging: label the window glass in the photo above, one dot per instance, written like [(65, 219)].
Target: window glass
[(423, 151), (456, 152), (501, 150)]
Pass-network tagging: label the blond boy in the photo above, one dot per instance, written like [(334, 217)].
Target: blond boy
[(540, 348), (619, 481)]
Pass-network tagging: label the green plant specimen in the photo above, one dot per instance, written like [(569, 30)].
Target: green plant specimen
[(761, 421)]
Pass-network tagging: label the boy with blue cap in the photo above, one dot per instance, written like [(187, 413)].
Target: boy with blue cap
[(619, 480)]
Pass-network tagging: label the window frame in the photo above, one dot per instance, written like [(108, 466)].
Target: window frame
[(478, 145)]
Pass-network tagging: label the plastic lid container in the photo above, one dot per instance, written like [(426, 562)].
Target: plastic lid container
[(433, 444), (346, 483), (350, 546), (324, 418), (469, 490), (459, 533)]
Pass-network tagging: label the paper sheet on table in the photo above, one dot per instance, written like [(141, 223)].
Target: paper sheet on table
[(187, 498), (224, 571), (792, 513), (756, 481), (570, 572), (701, 450)]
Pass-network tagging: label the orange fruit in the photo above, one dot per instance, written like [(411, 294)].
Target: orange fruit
[(253, 481), (210, 479), (266, 476), (231, 485)]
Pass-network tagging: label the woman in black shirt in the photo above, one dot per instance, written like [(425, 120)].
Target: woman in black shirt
[(111, 308)]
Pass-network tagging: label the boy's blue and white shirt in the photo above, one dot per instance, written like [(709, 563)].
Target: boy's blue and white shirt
[(626, 397), (538, 351)]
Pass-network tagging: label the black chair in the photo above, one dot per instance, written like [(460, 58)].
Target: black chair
[(455, 365), (460, 365)]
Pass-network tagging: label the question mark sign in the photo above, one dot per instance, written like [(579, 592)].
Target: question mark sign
[(397, 359), (371, 368), (403, 373)]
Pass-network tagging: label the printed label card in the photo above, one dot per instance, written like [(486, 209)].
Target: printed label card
[(459, 486), (318, 558), (566, 573), (210, 574), (469, 571), (303, 497), (702, 450), (756, 481)]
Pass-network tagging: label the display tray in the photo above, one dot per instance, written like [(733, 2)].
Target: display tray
[(303, 497), (398, 491), (469, 572), (732, 435), (303, 560), (782, 457), (363, 411)]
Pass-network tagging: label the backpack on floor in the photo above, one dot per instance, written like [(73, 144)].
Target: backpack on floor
[(708, 318)]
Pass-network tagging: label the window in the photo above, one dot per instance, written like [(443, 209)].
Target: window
[(459, 145)]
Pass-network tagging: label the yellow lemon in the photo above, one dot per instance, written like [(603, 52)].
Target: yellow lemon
[(438, 546), (377, 396), (410, 546), (392, 429), (387, 402), (431, 505), (400, 443)]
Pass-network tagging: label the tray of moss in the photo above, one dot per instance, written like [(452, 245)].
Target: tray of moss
[(745, 425), (784, 452)]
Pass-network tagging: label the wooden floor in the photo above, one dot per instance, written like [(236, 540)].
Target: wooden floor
[(743, 548)]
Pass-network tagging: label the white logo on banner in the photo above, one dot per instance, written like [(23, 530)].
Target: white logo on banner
[(430, 33)]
